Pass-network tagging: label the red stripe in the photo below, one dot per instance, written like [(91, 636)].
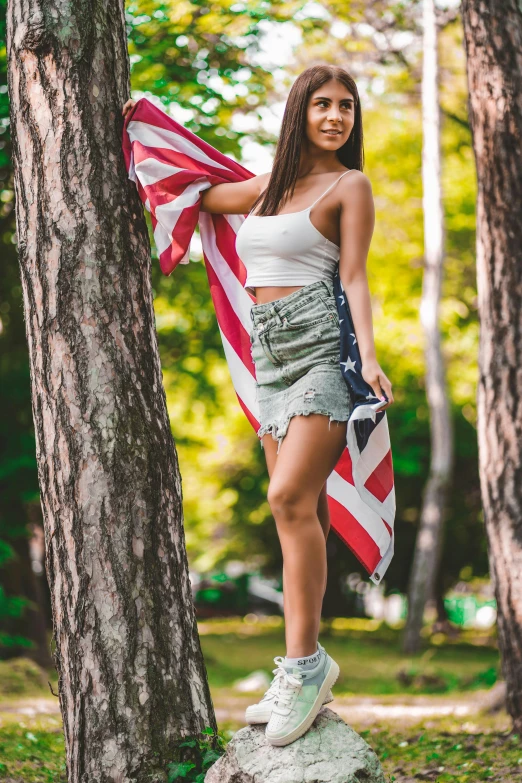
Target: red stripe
[(165, 155), (250, 416), (354, 535), (344, 466), (182, 235), (228, 321), (226, 244), (145, 111), (380, 481)]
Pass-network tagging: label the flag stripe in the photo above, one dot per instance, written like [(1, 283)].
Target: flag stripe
[(347, 527), (380, 481)]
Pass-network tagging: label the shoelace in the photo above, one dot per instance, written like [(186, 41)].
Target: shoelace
[(288, 686), (278, 672), (291, 680)]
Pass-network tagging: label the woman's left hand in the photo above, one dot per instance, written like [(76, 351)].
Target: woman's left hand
[(375, 377), (128, 106)]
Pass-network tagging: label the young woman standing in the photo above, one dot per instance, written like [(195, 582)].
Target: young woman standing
[(311, 215)]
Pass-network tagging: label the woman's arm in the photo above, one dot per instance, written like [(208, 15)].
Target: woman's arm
[(233, 198), (228, 198), (357, 222)]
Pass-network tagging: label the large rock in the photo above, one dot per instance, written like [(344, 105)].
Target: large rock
[(329, 752)]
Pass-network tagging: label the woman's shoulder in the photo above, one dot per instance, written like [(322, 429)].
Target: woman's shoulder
[(261, 180), (355, 184), (356, 176)]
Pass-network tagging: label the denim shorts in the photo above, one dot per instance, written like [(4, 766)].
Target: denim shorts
[(295, 347)]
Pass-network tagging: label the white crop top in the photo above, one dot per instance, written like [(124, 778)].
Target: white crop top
[(286, 250)]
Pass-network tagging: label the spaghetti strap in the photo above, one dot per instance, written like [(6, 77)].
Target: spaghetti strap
[(329, 188)]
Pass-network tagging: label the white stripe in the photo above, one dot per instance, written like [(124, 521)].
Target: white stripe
[(375, 450), (384, 562), (151, 170), (162, 238), (235, 221), (346, 494), (387, 509), (234, 291), (168, 214), (242, 380), (152, 136), (132, 172), (367, 411)]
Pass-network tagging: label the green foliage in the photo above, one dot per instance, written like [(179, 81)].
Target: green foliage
[(11, 607), (18, 474), (23, 678), (6, 553), (196, 59), (35, 755), (371, 661), (443, 751), (202, 752), (447, 754)]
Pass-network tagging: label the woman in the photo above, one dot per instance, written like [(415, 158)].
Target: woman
[(311, 215)]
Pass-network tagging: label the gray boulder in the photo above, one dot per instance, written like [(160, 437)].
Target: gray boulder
[(329, 752)]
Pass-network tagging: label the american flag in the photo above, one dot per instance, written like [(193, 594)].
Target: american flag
[(171, 166)]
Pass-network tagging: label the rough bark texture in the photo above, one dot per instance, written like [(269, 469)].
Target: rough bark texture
[(428, 545), (493, 39), (329, 752), (132, 678)]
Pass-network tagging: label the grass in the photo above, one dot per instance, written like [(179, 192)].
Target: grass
[(368, 654), (439, 750), (447, 754), (32, 751)]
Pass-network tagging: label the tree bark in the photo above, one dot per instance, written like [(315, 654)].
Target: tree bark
[(131, 675), (493, 41), (428, 546)]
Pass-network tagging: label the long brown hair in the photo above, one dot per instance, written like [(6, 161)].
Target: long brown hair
[(293, 130)]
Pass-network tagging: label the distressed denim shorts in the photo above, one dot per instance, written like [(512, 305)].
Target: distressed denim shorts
[(295, 347)]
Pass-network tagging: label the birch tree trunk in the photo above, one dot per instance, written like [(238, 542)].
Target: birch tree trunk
[(493, 41), (428, 544), (131, 674)]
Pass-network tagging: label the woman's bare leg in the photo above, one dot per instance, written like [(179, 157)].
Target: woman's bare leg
[(308, 454), (270, 449)]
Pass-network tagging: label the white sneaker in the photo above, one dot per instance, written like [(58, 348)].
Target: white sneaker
[(261, 712), (301, 695)]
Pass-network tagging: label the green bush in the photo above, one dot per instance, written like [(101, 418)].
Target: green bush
[(196, 756)]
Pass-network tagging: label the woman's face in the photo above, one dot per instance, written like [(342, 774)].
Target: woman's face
[(330, 108)]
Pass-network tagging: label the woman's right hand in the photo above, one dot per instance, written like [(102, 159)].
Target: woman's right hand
[(373, 375), (128, 106)]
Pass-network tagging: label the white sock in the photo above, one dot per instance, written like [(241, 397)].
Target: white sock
[(305, 661)]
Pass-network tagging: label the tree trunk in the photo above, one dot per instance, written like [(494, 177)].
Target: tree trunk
[(493, 40), (428, 545), (132, 677)]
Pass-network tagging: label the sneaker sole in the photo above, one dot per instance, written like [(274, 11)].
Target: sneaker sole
[(329, 681), (253, 720)]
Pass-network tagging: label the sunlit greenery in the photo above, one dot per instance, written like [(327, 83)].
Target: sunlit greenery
[(204, 63), (464, 746)]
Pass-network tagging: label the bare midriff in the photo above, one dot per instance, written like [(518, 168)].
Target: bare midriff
[(267, 293)]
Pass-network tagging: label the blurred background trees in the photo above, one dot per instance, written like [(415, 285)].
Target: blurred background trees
[(224, 71)]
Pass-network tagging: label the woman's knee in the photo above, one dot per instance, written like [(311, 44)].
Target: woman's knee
[(288, 502)]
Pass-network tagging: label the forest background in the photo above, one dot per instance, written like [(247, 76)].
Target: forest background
[(224, 69)]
